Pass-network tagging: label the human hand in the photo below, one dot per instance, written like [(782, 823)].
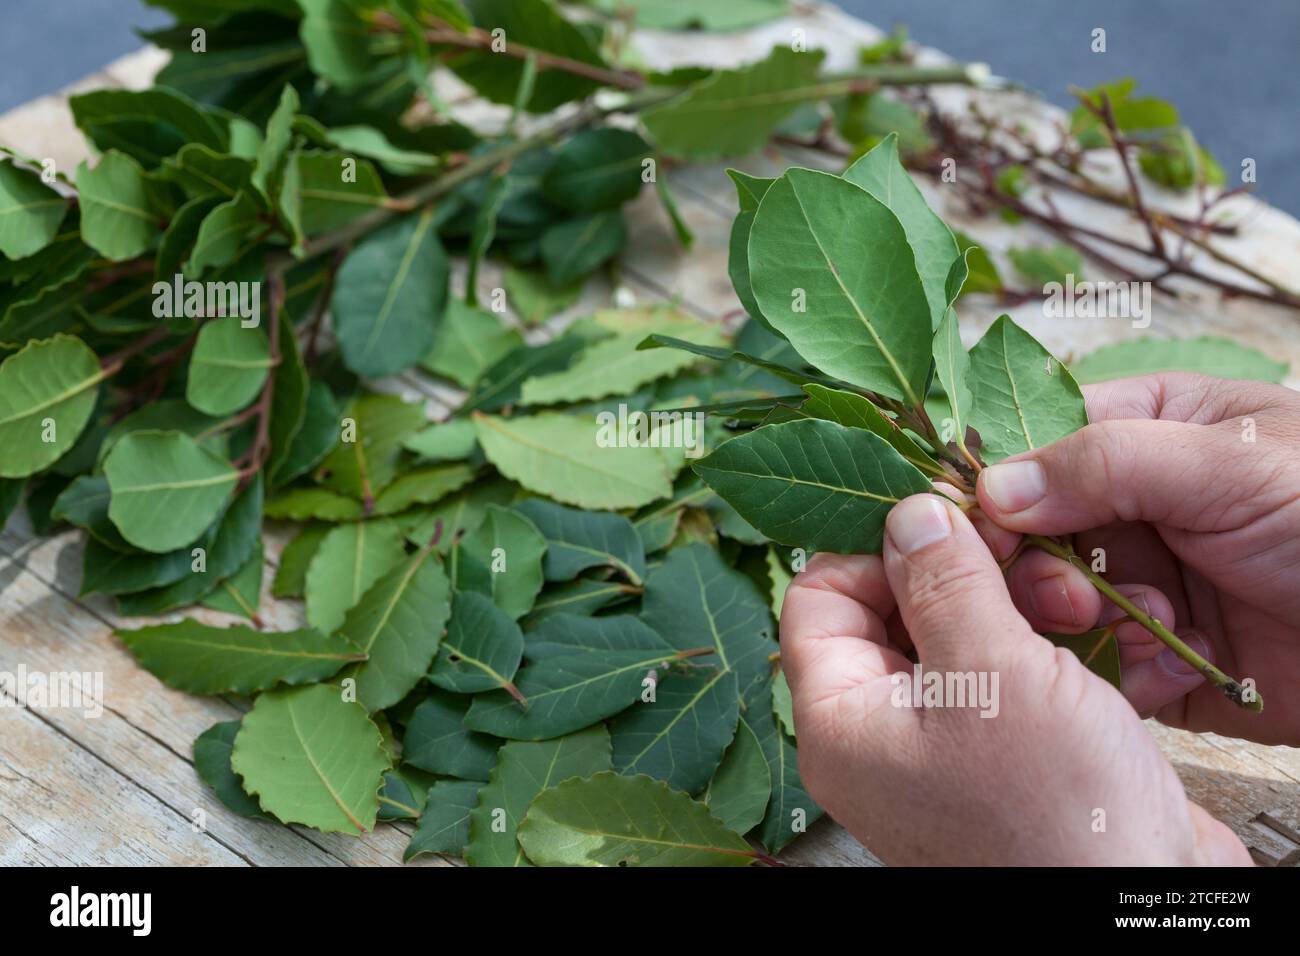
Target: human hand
[(1064, 773), (1191, 488)]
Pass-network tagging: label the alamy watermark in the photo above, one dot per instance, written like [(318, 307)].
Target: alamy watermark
[(1098, 300), (73, 909), (638, 429), (196, 300), (938, 689), (53, 690)]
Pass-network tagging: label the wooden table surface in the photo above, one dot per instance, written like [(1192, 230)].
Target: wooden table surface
[(121, 788)]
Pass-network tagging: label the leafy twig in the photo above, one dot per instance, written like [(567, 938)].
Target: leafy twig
[(1234, 690), (257, 454)]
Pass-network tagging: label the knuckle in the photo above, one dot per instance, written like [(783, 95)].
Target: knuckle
[(935, 588)]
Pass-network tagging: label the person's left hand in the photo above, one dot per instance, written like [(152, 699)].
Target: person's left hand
[(1064, 773)]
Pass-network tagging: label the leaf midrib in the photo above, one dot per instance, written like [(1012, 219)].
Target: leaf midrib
[(908, 393)]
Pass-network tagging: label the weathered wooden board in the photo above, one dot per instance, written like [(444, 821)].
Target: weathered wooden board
[(121, 788)]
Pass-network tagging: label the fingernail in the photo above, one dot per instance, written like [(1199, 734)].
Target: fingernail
[(918, 521), (1178, 667), (1113, 612), (1016, 485), (1051, 600)]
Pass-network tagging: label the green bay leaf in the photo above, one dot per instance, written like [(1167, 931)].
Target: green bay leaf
[(166, 488), (611, 820), (1203, 354), (481, 650), (228, 367), (732, 112), (398, 624), (813, 484), (30, 212), (389, 295), (437, 740), (577, 540), (202, 659), (558, 456), (1024, 398), (681, 735), (833, 272), (523, 771), (444, 822), (934, 247), (47, 394), (350, 559), (502, 559), (311, 757), (740, 789)]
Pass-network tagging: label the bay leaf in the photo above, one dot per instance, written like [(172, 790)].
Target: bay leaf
[(578, 247), (856, 411), (566, 693), (733, 112), (681, 735), (502, 559), (615, 366), (350, 559), (389, 295), (166, 488), (597, 169), (481, 650), (122, 209), (212, 752), (47, 391), (790, 811), (467, 343), (523, 771), (833, 272), (291, 573), (1024, 398), (693, 599), (437, 740), (611, 820), (444, 823), (311, 757), (224, 548), (398, 624), (577, 540), (202, 659), (813, 484), (558, 456), (934, 247), (1207, 355), (742, 785), (30, 212), (228, 367)]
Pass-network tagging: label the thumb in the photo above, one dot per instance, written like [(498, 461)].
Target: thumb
[(1114, 471), (950, 591)]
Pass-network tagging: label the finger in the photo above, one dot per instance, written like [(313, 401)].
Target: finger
[(1153, 684), (1216, 844), (1118, 471), (999, 540), (833, 638), (1176, 396), (1131, 553), (1136, 643), (950, 591), (1053, 595)]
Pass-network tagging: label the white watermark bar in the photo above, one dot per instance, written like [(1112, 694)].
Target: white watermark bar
[(53, 690)]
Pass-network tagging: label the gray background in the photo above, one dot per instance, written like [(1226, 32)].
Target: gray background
[(1229, 65)]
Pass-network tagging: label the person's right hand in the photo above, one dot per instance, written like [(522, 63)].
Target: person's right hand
[(1191, 486)]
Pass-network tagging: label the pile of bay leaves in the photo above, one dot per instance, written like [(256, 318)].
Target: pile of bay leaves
[(531, 628)]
